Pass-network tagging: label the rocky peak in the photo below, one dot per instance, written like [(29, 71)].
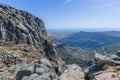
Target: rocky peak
[(24, 43), (20, 26)]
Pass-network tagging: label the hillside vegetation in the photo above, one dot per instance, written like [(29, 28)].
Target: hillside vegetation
[(85, 43)]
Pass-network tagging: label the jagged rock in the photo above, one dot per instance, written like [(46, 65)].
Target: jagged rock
[(115, 57), (105, 68), (117, 68), (2, 70), (45, 76), (28, 34), (22, 73), (31, 77), (103, 75), (27, 68), (100, 59), (118, 53), (43, 66), (107, 76), (92, 69), (45, 62), (3, 78), (4, 75), (73, 72), (22, 27), (19, 71), (40, 69)]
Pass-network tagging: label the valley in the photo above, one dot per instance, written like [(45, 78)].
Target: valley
[(30, 50), (83, 45)]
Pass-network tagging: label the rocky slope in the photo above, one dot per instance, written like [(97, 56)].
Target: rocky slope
[(25, 47)]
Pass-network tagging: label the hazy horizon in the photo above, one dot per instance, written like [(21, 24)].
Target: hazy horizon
[(83, 29)]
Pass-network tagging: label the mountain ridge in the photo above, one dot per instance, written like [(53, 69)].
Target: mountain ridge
[(107, 42), (24, 43), (82, 38)]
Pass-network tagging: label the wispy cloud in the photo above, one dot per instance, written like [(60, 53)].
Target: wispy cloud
[(66, 2), (105, 5)]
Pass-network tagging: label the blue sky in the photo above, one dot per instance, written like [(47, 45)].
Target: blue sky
[(72, 13)]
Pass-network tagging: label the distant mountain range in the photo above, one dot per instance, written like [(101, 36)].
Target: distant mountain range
[(112, 33), (106, 42), (85, 30), (91, 40)]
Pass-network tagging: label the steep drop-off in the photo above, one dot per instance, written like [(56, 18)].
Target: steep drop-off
[(25, 46)]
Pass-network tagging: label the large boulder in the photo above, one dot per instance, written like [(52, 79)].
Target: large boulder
[(104, 68), (44, 66), (45, 76), (118, 53), (107, 76), (73, 72), (22, 73), (100, 59)]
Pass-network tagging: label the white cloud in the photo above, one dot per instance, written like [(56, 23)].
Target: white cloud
[(66, 2), (109, 4)]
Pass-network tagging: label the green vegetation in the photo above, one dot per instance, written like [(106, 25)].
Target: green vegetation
[(83, 63), (90, 40), (79, 47), (109, 49), (9, 60)]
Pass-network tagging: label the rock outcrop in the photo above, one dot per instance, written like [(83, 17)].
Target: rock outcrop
[(104, 68), (25, 47), (118, 53), (101, 60), (20, 26), (73, 72)]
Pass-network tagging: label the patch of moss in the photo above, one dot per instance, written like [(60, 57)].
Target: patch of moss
[(26, 56), (16, 52), (1, 48), (9, 60), (117, 64)]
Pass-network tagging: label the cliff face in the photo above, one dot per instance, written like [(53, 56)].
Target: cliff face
[(26, 34), (20, 26)]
